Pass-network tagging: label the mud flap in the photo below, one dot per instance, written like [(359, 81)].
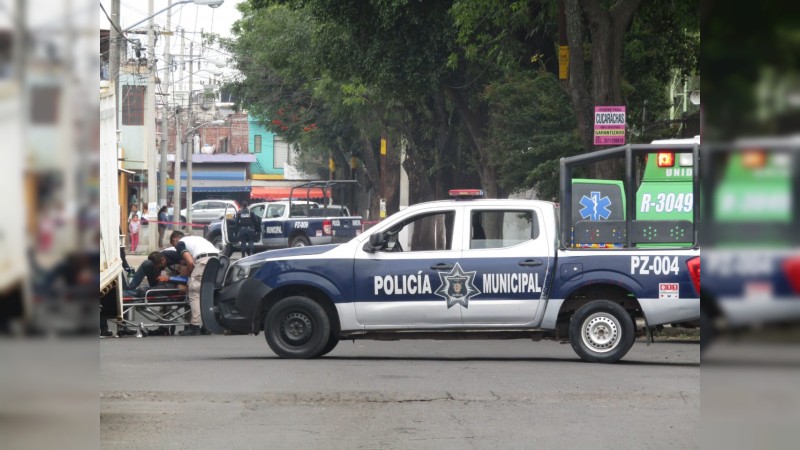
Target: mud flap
[(208, 308)]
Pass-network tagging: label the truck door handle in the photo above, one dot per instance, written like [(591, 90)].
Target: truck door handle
[(441, 266), (531, 262)]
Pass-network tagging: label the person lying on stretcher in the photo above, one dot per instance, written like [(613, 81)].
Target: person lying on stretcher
[(152, 269)]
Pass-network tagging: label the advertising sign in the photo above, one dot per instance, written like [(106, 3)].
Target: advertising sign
[(609, 125)]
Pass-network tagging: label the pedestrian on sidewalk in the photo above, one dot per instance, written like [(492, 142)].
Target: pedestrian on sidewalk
[(133, 227), (162, 225)]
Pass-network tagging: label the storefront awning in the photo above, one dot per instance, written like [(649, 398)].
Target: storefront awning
[(214, 188), (282, 192)]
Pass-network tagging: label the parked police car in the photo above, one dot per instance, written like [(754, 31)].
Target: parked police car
[(473, 268)]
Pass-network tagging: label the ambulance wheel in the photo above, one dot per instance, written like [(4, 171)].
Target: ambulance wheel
[(297, 328), (223, 249), (300, 241), (601, 331)]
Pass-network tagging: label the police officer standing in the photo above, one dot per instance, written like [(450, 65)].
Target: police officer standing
[(249, 226)]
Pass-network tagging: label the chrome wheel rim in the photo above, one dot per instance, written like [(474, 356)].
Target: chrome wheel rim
[(601, 332)]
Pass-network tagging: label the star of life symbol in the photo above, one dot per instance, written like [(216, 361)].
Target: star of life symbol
[(595, 207), (457, 287)]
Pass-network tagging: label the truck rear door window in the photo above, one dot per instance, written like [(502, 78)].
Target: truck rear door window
[(502, 228)]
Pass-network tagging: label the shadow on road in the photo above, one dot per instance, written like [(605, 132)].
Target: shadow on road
[(454, 359)]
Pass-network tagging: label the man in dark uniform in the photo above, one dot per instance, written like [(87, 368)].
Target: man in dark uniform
[(151, 269), (249, 226)]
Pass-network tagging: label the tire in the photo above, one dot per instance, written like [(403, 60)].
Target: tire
[(297, 328), (226, 250), (300, 241), (706, 331), (601, 331), (333, 341)]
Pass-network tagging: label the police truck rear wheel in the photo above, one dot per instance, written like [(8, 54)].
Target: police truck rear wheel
[(300, 241), (601, 331), (297, 328)]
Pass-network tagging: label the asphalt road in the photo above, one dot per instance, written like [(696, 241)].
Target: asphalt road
[(233, 392)]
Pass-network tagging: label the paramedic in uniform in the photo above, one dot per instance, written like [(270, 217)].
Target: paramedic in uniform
[(195, 251)]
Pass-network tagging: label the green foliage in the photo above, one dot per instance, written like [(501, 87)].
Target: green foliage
[(451, 78), (664, 37), (531, 127)]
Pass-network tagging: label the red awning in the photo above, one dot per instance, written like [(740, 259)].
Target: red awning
[(282, 193)]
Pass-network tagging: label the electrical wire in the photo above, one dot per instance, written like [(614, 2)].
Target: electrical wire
[(121, 33)]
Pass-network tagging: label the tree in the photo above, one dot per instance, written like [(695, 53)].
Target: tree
[(531, 127), (608, 24)]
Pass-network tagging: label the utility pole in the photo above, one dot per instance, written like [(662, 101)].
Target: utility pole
[(384, 175), (162, 170), (150, 124), (190, 148), (176, 192), (113, 55)]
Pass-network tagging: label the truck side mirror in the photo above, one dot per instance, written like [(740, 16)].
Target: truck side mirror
[(375, 243)]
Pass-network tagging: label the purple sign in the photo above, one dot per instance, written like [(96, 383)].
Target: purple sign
[(609, 125)]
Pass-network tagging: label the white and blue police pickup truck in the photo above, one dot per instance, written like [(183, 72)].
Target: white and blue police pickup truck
[(473, 268), (293, 223)]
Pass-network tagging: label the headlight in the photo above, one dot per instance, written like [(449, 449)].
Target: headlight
[(240, 271)]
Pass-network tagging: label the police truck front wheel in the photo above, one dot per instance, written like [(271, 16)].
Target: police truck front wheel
[(297, 328), (224, 249), (601, 331)]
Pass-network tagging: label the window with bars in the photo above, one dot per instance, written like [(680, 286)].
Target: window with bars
[(133, 105), (257, 143)]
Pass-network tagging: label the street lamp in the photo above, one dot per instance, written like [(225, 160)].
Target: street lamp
[(217, 62), (210, 3), (189, 168), (165, 127)]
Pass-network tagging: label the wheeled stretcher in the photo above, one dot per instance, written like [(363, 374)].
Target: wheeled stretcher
[(156, 309), (159, 309)]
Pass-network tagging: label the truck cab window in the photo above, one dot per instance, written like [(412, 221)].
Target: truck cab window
[(426, 232), (499, 228)]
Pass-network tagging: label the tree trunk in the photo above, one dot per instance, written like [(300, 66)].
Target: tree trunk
[(373, 177), (577, 74), (607, 29), (487, 171)]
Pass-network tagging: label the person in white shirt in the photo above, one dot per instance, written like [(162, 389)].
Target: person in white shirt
[(134, 212), (195, 251)]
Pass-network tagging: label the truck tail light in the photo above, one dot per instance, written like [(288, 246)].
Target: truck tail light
[(694, 272), (754, 159), (327, 227), (666, 159), (791, 267)]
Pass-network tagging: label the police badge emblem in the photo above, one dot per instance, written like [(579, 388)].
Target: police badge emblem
[(457, 287)]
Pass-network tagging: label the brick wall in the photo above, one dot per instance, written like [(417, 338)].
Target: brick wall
[(236, 130), (215, 135), (239, 133)]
